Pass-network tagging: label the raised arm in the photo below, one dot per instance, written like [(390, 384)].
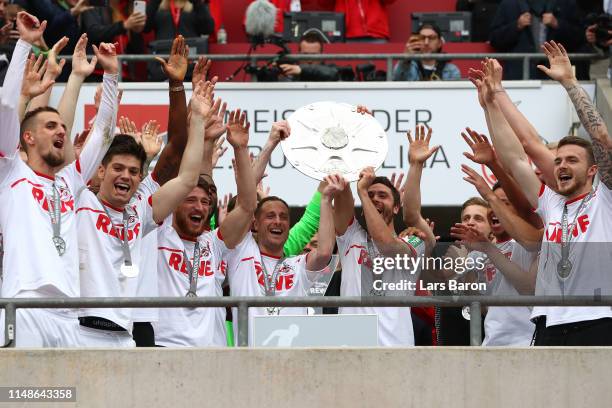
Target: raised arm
[(279, 131), (319, 257), (381, 234), (482, 153), (542, 157), (103, 131), (81, 69), (561, 70), (303, 230), (237, 223), (167, 165), (170, 195), (524, 232), (419, 151), (509, 149), (54, 69), (522, 280), (214, 130), (30, 31), (34, 85)]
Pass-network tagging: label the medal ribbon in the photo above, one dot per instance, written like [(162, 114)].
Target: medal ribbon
[(125, 244), (193, 269), (55, 214), (565, 232), (270, 282)]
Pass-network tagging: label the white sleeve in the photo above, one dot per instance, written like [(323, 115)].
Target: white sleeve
[(145, 212), (9, 100), (103, 130), (544, 200), (148, 186), (347, 238)]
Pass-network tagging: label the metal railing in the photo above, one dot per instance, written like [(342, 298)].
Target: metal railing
[(243, 304), (389, 58)]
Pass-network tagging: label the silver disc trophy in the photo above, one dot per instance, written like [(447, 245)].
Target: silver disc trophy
[(331, 137)]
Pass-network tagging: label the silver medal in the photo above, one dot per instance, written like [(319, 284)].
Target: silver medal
[(465, 312), (60, 245), (129, 271), (564, 268)]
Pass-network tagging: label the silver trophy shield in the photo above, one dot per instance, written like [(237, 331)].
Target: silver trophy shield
[(331, 137)]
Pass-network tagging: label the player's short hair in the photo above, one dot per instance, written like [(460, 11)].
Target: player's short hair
[(475, 201), (578, 141), (267, 199), (386, 182), (314, 35), (126, 144), (29, 120)]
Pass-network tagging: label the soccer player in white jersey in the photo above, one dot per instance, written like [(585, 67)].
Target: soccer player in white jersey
[(37, 197), (258, 267), (575, 257), (111, 227), (185, 268), (358, 249)]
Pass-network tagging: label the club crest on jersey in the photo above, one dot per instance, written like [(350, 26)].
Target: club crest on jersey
[(285, 277)]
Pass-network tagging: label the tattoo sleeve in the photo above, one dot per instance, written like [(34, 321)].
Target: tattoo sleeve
[(596, 127)]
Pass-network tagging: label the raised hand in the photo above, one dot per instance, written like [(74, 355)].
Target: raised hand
[(366, 178), (363, 110), (34, 80), (80, 66), (279, 131), (135, 22), (107, 57), (397, 181), (200, 71), (30, 29), (54, 69), (493, 68), (560, 66), (238, 129), (223, 207), (80, 7), (5, 32), (470, 237), (482, 151), (176, 67), (419, 150), (335, 184), (128, 127), (262, 192), (150, 139), (477, 181), (219, 150), (201, 100), (477, 78), (215, 126)]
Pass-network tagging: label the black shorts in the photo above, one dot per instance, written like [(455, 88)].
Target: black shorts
[(585, 333)]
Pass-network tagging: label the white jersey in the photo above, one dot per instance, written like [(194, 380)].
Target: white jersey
[(101, 255), (589, 253), (394, 323), (147, 280), (509, 326), (31, 261), (245, 273), (199, 327)]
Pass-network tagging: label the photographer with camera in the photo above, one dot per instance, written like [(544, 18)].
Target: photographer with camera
[(311, 42), (427, 40), (522, 26)]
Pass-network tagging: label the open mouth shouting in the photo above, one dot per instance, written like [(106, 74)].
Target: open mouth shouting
[(564, 179), (58, 143), (122, 188)]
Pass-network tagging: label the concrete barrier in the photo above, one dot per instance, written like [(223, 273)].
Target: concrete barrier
[(416, 377)]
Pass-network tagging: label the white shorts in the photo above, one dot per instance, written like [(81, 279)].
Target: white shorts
[(105, 338), (44, 328)]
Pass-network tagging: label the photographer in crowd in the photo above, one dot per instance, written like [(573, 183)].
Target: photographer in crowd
[(311, 42), (427, 40)]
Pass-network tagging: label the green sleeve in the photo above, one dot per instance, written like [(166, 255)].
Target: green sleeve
[(302, 232)]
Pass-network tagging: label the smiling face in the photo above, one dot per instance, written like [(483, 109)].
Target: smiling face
[(382, 198), (573, 171), (272, 225), (190, 216), (477, 216), (119, 179), (44, 137)]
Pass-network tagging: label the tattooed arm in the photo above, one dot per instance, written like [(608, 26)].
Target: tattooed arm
[(561, 70)]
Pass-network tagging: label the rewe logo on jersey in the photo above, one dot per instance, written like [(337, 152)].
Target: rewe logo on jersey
[(554, 232), (104, 224), (284, 278), (176, 262), (65, 198)]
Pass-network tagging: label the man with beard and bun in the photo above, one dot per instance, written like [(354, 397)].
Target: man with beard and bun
[(189, 256), (37, 211), (575, 257), (112, 225), (259, 267), (358, 248)]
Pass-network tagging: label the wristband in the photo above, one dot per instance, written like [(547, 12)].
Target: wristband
[(177, 88)]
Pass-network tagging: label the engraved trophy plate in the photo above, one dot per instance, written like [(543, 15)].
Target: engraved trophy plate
[(331, 137)]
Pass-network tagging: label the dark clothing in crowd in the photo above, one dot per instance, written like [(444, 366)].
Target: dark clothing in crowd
[(506, 37), (192, 24), (483, 12)]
